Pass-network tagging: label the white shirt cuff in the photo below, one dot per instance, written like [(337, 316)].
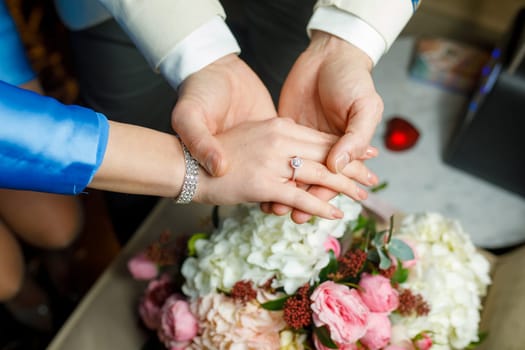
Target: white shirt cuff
[(203, 46), (349, 28)]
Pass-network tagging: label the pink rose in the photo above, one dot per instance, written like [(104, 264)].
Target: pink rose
[(156, 293), (142, 268), (319, 346), (378, 333), (400, 338), (423, 341), (377, 293), (178, 325), (332, 243), (341, 310), (396, 347)]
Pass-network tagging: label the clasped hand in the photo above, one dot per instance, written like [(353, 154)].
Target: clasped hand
[(227, 119)]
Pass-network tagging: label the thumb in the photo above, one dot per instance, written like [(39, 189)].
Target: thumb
[(189, 122), (355, 142)]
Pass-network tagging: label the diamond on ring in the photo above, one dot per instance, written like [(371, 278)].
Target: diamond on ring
[(295, 163)]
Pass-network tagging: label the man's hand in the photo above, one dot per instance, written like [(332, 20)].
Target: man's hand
[(330, 88), (213, 100)]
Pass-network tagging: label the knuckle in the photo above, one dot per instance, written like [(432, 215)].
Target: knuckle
[(277, 124), (321, 173), (276, 141)]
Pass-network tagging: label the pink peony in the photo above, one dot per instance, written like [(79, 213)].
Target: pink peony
[(341, 310), (332, 243), (378, 333), (142, 268), (377, 293), (157, 292), (228, 324), (423, 341), (319, 346), (178, 325)]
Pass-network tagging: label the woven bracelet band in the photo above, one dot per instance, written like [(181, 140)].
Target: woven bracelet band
[(191, 178)]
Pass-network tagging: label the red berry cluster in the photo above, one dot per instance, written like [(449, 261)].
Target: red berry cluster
[(243, 291), (297, 312), (410, 302), (160, 252), (351, 263), (388, 273)]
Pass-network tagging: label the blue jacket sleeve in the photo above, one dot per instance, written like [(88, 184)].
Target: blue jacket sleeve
[(14, 66), (47, 146)]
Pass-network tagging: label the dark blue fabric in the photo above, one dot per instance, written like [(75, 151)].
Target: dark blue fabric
[(14, 66), (47, 146)]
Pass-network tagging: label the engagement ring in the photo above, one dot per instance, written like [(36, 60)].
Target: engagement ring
[(295, 163)]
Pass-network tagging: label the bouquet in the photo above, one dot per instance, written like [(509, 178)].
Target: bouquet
[(262, 282)]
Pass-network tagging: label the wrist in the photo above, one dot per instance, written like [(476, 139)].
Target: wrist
[(326, 44), (190, 181)]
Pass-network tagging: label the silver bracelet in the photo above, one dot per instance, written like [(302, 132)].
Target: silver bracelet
[(191, 178)]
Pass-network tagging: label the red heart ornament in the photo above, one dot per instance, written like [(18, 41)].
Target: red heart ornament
[(400, 134)]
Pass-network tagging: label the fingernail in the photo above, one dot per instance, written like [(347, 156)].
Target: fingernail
[(341, 161), (337, 214), (372, 178), (211, 164), (361, 194)]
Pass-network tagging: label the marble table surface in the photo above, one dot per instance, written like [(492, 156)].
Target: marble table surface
[(418, 179)]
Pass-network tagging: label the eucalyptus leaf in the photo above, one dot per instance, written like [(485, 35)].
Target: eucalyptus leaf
[(373, 256), (275, 305), (400, 250), (379, 239), (384, 260), (324, 337)]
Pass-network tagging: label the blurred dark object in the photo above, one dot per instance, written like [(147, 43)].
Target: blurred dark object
[(449, 64), (47, 46), (400, 134), (489, 140)]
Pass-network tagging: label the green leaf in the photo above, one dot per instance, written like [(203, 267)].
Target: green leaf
[(275, 305), (379, 239), (330, 268), (324, 337), (400, 275), (360, 223), (400, 250), (384, 260), (373, 256), (153, 343), (390, 229), (379, 187), (191, 242), (482, 336)]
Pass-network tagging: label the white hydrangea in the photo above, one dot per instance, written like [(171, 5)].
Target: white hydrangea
[(451, 275), (251, 245)]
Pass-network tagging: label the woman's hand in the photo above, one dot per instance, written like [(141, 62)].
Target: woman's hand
[(260, 170)]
